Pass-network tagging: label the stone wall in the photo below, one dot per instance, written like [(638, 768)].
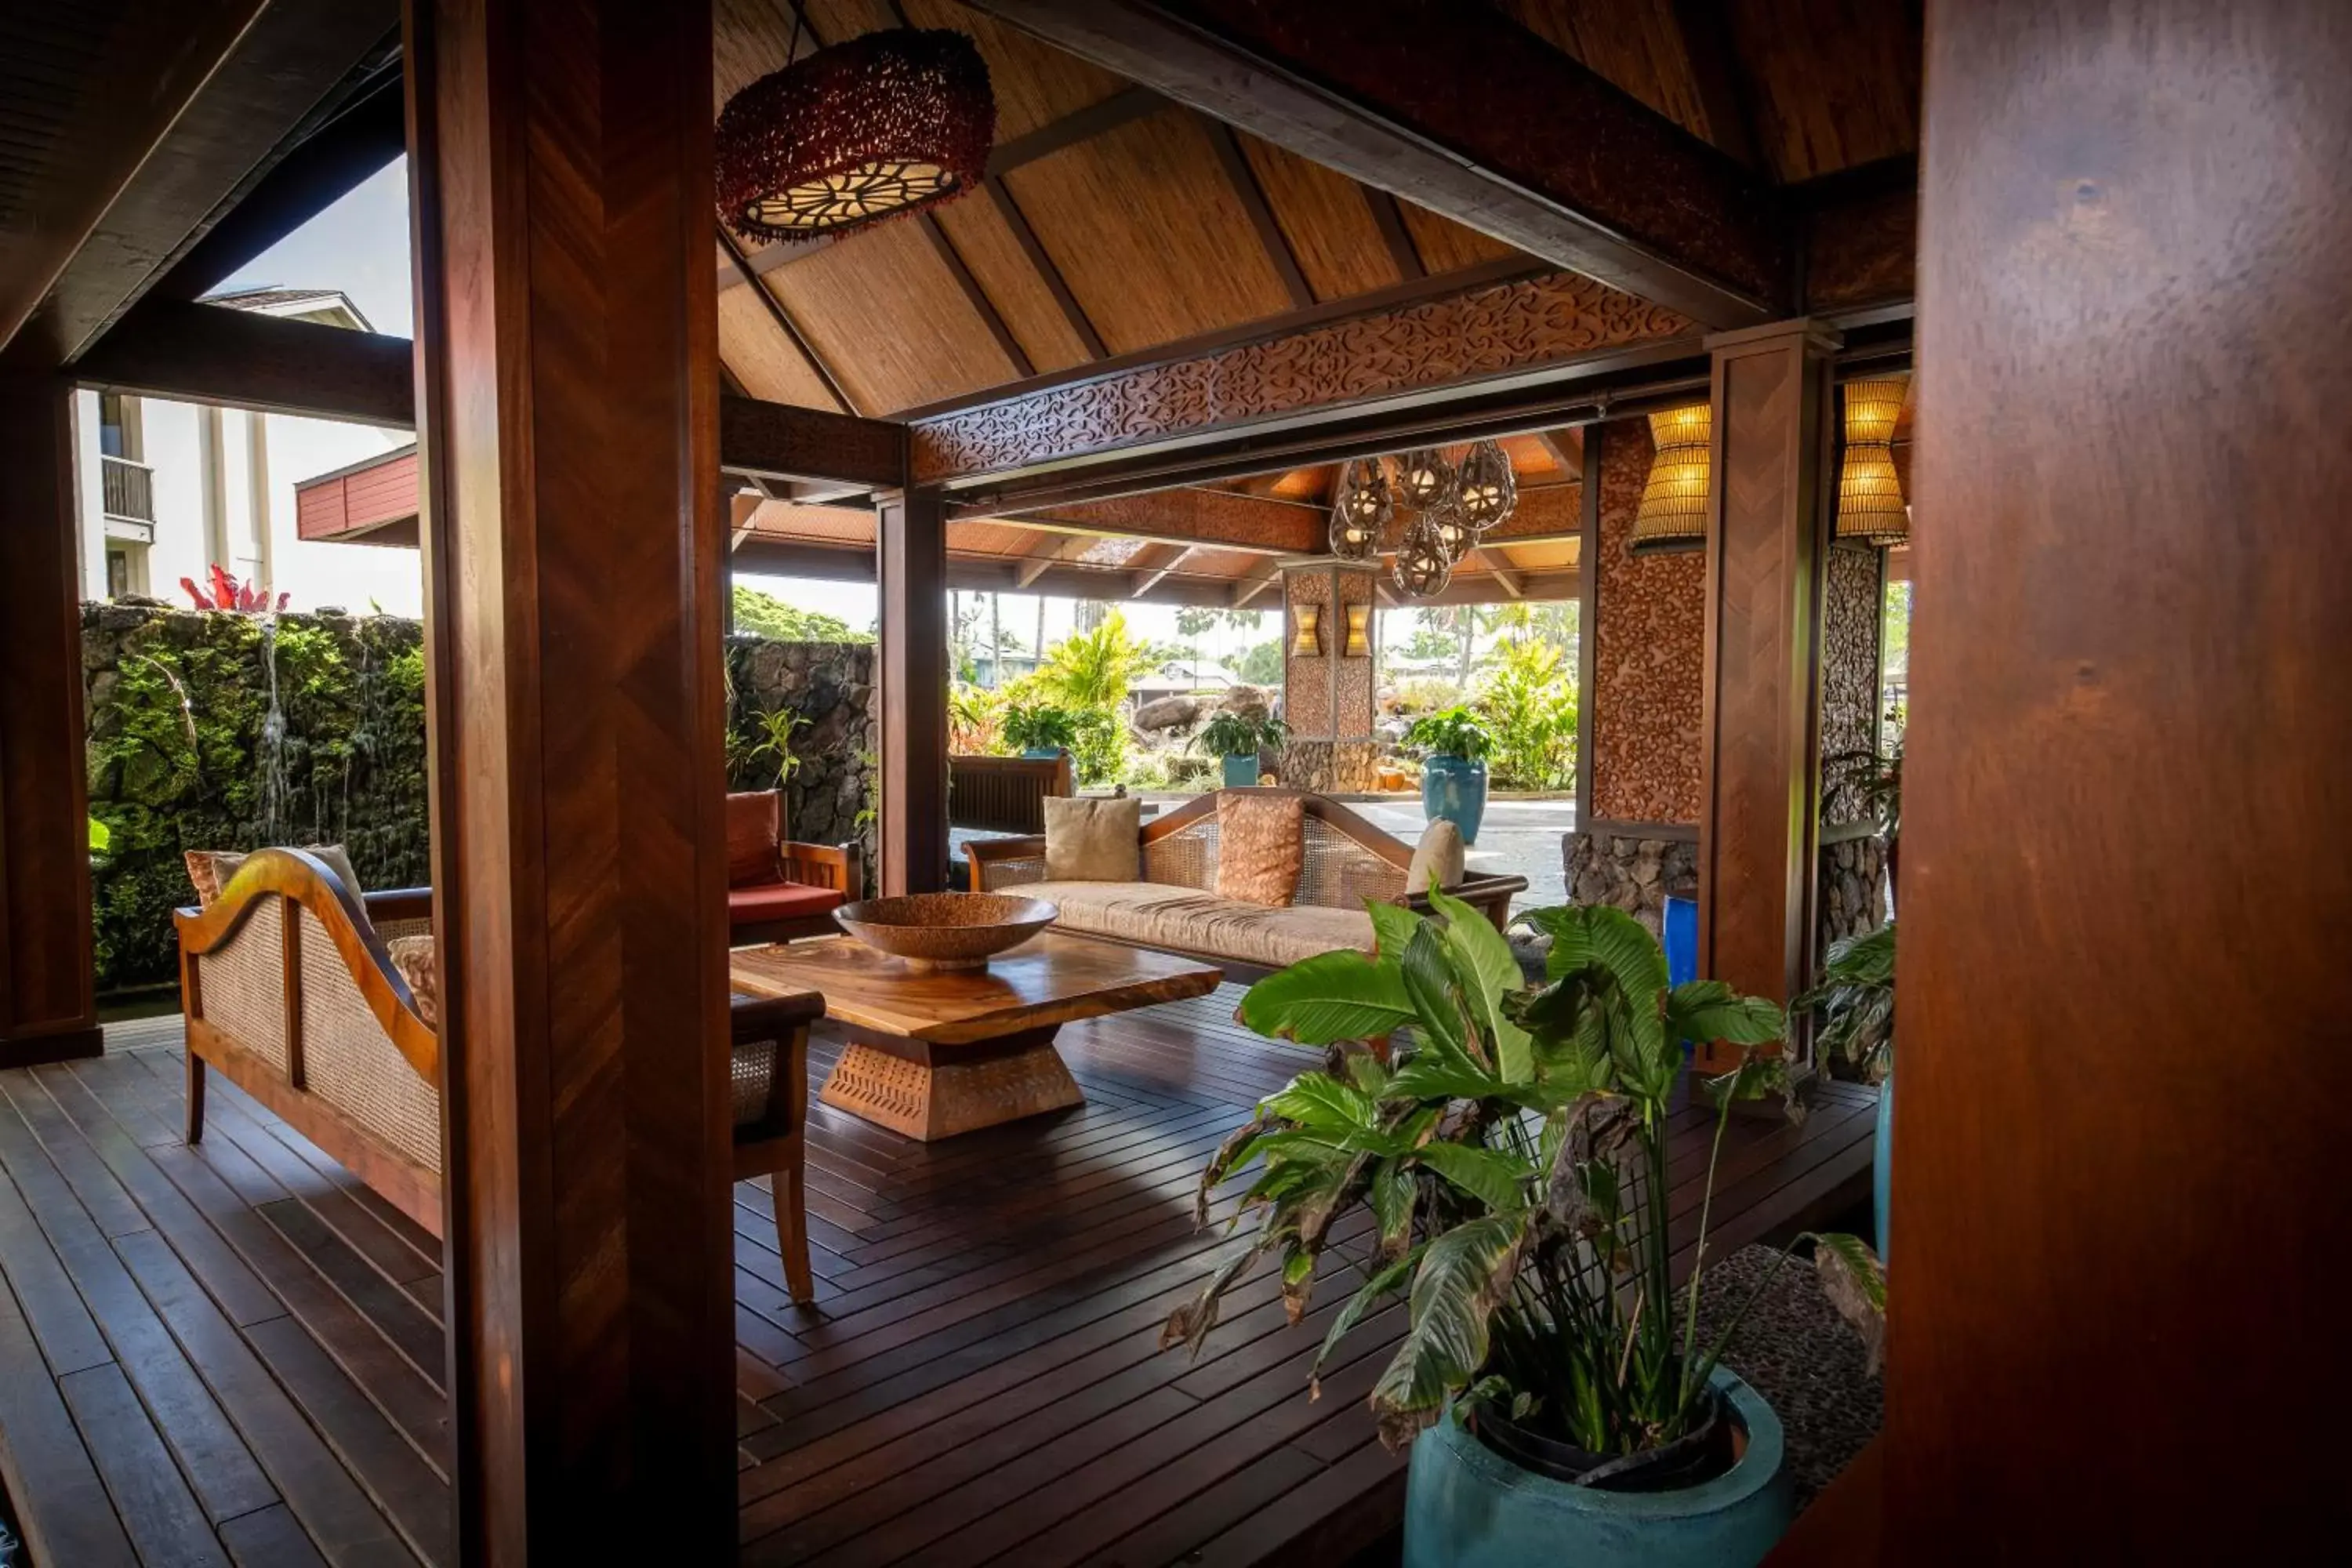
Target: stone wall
[(1852, 896), (830, 686), (1636, 874), (1648, 652), (1329, 767), (214, 731)]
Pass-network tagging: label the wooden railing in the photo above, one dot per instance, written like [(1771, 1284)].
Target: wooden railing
[(1004, 795), (128, 489)]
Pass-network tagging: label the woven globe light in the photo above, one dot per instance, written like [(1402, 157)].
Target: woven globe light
[(1673, 503), (1424, 478), (1451, 530), (1489, 486), (1361, 514), (1870, 493), (1420, 567), (874, 128)]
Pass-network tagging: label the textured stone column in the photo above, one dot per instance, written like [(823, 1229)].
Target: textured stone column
[(1327, 697)]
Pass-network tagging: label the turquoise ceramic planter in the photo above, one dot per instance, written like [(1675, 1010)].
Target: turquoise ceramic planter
[(1041, 753), (1468, 1507), (1882, 1160), (1240, 772), (1455, 790)]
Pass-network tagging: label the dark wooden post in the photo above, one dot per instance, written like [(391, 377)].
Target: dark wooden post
[(47, 1013), (1760, 750), (567, 402), (2120, 1224), (911, 565)]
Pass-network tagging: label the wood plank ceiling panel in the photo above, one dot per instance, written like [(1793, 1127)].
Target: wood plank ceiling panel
[(1150, 234), (988, 245), (1635, 44), (1446, 246), (1327, 220), (829, 524), (890, 320), (1035, 84), (759, 356), (1837, 81)]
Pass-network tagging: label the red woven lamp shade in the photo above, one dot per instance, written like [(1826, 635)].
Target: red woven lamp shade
[(873, 128)]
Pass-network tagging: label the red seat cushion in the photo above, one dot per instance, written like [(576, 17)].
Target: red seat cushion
[(779, 901), (752, 829)]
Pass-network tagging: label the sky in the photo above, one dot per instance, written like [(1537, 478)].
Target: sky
[(359, 244)]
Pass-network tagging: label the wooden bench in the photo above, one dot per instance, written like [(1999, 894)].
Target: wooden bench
[(1005, 795)]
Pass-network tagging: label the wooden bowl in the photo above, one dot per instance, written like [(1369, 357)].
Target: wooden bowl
[(946, 930)]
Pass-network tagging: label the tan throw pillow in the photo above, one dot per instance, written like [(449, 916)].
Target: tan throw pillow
[(1092, 840), (1261, 846), (210, 870), (414, 957), (1439, 855)]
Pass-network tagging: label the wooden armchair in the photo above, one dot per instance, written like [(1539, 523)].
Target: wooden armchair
[(778, 889), (290, 992)]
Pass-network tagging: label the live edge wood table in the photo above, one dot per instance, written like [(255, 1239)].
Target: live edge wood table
[(934, 1053)]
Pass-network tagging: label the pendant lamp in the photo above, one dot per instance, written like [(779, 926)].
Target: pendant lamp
[(1672, 515), (1870, 493)]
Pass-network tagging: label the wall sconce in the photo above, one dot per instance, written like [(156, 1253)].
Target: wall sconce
[(1870, 493), (1673, 503), (1359, 638), (1307, 642)]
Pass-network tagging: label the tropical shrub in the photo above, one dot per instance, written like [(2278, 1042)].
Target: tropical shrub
[(1426, 694), (1231, 734), (1095, 668), (772, 617), (974, 717), (1098, 755), (1512, 1157), (1455, 733), (1038, 727), (760, 753), (1527, 700), (1854, 1003)]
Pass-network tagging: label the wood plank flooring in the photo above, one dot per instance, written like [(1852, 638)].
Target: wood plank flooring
[(231, 1353)]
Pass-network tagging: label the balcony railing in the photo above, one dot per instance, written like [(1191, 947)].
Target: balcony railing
[(128, 489)]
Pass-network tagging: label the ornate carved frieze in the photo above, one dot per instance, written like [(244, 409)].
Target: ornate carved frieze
[(1486, 332)]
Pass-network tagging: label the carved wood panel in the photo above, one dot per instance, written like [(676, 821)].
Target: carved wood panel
[(1486, 332), (1649, 641)]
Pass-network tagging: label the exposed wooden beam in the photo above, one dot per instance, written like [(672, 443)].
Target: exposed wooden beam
[(1500, 569), (1055, 284), (982, 305), (1566, 446), (784, 322), (1545, 154), (1251, 587), (767, 555), (1189, 517), (1150, 577), (785, 441), (1271, 240), (1722, 91), (1390, 218), (213, 353), (1049, 550)]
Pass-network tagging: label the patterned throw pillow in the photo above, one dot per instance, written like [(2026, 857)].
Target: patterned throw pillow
[(413, 956), (1261, 846), (210, 870), (1092, 839)]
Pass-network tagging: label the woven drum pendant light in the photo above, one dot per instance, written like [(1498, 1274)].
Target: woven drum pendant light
[(1869, 494), (1673, 503), (870, 129)]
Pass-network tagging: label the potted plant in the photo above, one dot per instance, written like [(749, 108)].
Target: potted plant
[(1039, 730), (1853, 1007), (1240, 738), (1511, 1160), (1454, 767)]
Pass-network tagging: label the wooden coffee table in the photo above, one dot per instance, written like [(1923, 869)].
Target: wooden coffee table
[(932, 1054)]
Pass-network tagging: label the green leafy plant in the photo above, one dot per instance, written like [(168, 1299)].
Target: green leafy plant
[(766, 760), (1854, 1003), (1095, 668), (1038, 727), (1511, 1156), (974, 715), (1098, 755), (772, 617), (1527, 699), (1455, 733), (100, 837), (1231, 734)]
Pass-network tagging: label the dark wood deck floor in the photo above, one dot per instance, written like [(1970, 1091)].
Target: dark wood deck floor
[(233, 1352)]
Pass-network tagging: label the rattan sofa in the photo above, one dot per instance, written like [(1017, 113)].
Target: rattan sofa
[(1172, 907), (291, 992)]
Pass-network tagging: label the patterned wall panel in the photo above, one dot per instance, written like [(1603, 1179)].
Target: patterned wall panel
[(1649, 644), (1851, 610), (1353, 716), (1307, 682), (1485, 332)]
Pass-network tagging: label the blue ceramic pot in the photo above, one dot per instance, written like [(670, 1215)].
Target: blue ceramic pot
[(1240, 772), (1467, 1507), (1455, 789), (1041, 753), (1882, 1158)]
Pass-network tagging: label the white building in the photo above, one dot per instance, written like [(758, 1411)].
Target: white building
[(166, 489)]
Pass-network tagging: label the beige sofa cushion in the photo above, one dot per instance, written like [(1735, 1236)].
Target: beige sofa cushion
[(1186, 918), (1092, 839), (1440, 852)]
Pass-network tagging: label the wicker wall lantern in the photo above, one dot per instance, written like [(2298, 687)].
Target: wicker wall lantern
[(872, 128), (1424, 478), (1360, 632), (1673, 503), (1307, 640), (1870, 493), (1489, 489), (1361, 514)]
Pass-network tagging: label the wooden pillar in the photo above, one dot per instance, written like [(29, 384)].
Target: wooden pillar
[(2120, 1223), (567, 388), (1760, 751), (911, 567), (47, 1013), (1327, 697)]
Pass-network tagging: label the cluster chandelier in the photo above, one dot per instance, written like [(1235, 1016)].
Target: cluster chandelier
[(870, 129), (1431, 513)]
